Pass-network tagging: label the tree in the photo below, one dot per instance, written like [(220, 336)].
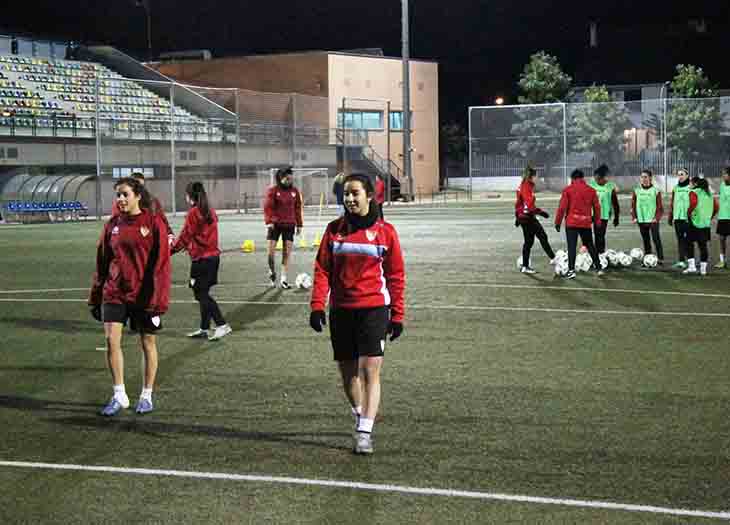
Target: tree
[(538, 130), (695, 123), (598, 127), (453, 141)]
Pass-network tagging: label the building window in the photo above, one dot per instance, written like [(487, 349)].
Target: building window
[(12, 153), (118, 173), (396, 121), (360, 119)]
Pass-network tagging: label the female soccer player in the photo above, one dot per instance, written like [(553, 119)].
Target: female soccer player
[(199, 237), (525, 213), (360, 267), (282, 214), (581, 209), (723, 217), (132, 282), (608, 197), (646, 210), (702, 209), (677, 216)]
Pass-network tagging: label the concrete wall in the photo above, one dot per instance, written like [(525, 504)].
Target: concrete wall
[(371, 77)]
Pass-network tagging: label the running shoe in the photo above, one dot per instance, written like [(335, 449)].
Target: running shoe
[(272, 280), (570, 274), (363, 443), (720, 265), (680, 265), (144, 406), (527, 269), (198, 333), (220, 332), (114, 407), (284, 285)]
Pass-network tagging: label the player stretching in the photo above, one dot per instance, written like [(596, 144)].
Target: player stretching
[(646, 210), (282, 215), (360, 267), (199, 237), (723, 217), (702, 209), (132, 281), (608, 197), (525, 213)]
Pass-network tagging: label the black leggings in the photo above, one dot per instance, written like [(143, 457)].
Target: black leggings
[(681, 230), (600, 230), (647, 228), (208, 308), (701, 236), (586, 237), (530, 230)]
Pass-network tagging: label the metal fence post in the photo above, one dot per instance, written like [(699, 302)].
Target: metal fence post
[(565, 143), (172, 148), (99, 200), (238, 154)]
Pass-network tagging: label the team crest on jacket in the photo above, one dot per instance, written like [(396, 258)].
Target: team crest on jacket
[(115, 230), (144, 231), (371, 235), (293, 194)]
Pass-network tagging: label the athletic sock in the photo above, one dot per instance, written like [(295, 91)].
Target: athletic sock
[(703, 268), (365, 425), (120, 394), (146, 394), (722, 257), (691, 265)]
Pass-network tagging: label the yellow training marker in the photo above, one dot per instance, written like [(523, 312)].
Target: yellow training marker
[(303, 242), (317, 240), (248, 246), (279, 245)]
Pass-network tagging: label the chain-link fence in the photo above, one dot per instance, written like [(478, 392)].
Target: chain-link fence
[(229, 139), (660, 135)]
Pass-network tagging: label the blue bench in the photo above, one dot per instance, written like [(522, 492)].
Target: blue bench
[(21, 209)]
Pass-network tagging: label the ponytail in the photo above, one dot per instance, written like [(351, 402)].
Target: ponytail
[(196, 192), (528, 172), (702, 184)]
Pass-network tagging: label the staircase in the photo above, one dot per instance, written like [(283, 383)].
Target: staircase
[(353, 146)]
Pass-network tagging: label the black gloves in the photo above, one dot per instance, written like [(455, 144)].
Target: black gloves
[(517, 223), (395, 329), (615, 222), (557, 227), (671, 221), (95, 311), (317, 320), (544, 214)]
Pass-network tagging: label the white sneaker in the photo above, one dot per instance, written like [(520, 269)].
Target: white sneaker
[(198, 333), (220, 332), (363, 443), (689, 270), (527, 269)]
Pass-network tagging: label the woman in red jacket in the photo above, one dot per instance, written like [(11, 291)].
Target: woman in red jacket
[(359, 267), (580, 206), (526, 213), (282, 214), (132, 282), (199, 237)]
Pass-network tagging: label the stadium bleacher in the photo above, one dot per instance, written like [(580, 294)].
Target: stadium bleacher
[(41, 96)]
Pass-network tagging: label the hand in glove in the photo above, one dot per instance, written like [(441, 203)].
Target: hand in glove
[(95, 311), (317, 320), (544, 214), (395, 329), (557, 227), (615, 222)]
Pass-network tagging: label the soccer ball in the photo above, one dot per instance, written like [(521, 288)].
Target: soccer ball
[(560, 256), (650, 260), (561, 267), (583, 262), (625, 259), (612, 257), (637, 253), (604, 261), (303, 281)]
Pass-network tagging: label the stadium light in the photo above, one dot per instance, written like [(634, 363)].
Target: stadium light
[(145, 4), (499, 101)]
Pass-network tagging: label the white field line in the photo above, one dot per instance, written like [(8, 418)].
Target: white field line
[(355, 485), (437, 284), (427, 307)]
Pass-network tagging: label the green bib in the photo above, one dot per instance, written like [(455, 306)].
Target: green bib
[(702, 214), (645, 203), (681, 202), (724, 213), (604, 197)]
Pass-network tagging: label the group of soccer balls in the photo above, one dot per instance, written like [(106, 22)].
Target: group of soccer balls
[(303, 281), (584, 263)]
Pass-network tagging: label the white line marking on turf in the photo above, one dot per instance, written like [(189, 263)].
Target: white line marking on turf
[(401, 489), (427, 307), (578, 288)]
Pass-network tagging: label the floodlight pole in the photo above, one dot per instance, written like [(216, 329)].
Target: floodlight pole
[(406, 99), (565, 143), (172, 148), (238, 153), (97, 124), (663, 97)]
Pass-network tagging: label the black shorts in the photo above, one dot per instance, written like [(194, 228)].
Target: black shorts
[(285, 231), (139, 320), (204, 273), (698, 234), (723, 227), (358, 333)]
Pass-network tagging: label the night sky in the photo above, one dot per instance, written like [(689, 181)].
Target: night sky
[(481, 46)]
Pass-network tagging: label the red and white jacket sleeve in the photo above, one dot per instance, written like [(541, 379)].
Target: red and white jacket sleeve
[(322, 272), (298, 206), (395, 277), (269, 206), (158, 298), (103, 259), (190, 228)]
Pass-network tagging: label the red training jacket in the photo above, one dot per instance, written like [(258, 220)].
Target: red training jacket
[(156, 205), (579, 205), (283, 206), (379, 190), (198, 237), (133, 263), (525, 204), (360, 269)]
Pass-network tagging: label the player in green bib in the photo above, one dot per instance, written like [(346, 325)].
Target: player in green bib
[(646, 211), (723, 216), (608, 197), (701, 211), (677, 216)]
